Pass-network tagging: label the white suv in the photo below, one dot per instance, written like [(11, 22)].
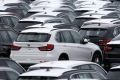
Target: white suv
[(45, 44)]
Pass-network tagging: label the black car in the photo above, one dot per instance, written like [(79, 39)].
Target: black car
[(112, 55), (7, 36), (100, 34), (7, 62), (114, 73)]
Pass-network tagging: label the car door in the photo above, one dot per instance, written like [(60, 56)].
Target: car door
[(82, 51), (65, 43)]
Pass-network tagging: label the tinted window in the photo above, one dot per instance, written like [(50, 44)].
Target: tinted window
[(8, 75), (5, 36), (75, 36), (92, 32), (8, 21), (67, 36), (81, 76), (83, 67), (14, 20), (37, 78), (21, 25), (98, 68), (33, 37), (12, 75), (11, 64)]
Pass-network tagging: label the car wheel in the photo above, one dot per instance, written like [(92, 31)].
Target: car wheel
[(64, 57), (97, 59)]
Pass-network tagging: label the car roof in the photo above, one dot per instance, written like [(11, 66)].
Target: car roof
[(98, 12), (89, 16), (47, 13), (116, 68), (99, 26), (62, 64), (38, 19), (47, 25), (101, 21), (46, 72)]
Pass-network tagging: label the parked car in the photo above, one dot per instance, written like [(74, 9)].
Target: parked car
[(7, 73), (113, 73), (18, 3), (23, 23), (14, 9), (9, 19), (66, 74), (7, 62), (53, 44), (98, 33), (52, 25), (7, 36), (79, 65), (112, 51)]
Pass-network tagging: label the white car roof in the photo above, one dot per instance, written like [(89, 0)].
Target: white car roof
[(47, 25), (47, 13), (98, 12), (46, 72), (114, 42), (61, 64), (100, 21), (37, 30), (116, 67)]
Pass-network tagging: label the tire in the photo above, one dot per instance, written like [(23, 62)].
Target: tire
[(97, 59), (64, 57)]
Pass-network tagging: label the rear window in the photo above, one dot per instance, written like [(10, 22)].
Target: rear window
[(93, 32), (33, 37), (7, 36), (22, 25), (37, 78)]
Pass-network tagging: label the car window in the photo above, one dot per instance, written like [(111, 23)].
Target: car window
[(86, 67), (33, 37), (8, 21), (5, 36), (3, 75), (116, 31), (14, 20), (113, 75), (81, 76), (12, 75), (98, 68), (75, 36), (15, 66), (38, 78), (92, 32), (67, 36)]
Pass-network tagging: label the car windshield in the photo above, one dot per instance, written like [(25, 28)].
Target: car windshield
[(38, 78), (92, 32), (33, 37)]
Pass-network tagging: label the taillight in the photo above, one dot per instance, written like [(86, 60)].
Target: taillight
[(104, 42), (49, 47), (107, 48), (13, 47)]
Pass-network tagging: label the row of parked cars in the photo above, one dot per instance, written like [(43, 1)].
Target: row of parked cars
[(67, 70), (44, 30)]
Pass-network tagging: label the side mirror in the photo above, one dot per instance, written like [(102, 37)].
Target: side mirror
[(84, 41)]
